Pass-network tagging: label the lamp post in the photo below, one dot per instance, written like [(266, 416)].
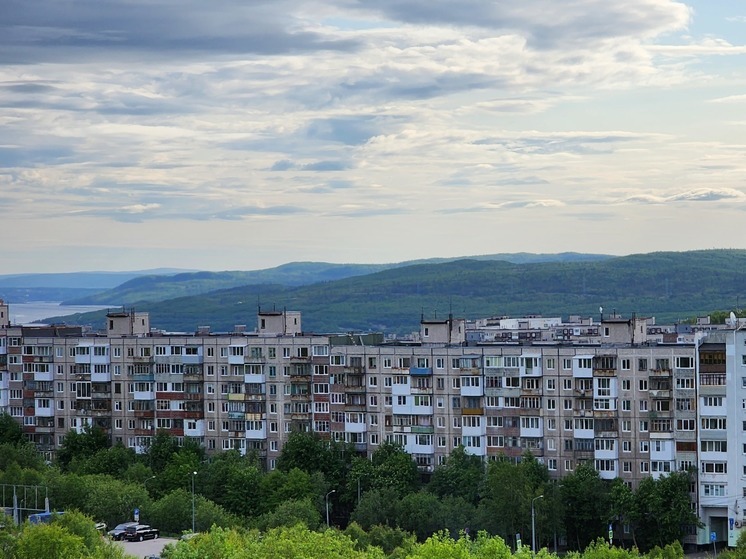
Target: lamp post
[(533, 523), (326, 502), (193, 474)]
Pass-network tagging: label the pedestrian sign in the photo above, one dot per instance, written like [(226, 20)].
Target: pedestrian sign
[(713, 535)]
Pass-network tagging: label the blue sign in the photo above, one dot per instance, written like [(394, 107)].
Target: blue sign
[(137, 516), (731, 521), (713, 535)]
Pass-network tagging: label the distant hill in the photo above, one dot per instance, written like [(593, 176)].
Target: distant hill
[(78, 280), (24, 288), (668, 285), (151, 288)]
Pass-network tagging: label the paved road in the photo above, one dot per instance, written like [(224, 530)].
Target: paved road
[(148, 547)]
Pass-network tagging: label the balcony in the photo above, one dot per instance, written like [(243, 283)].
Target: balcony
[(472, 411), (660, 372), (423, 430), (420, 371)]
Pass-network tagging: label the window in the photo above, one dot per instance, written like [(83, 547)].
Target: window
[(643, 385), (626, 384), (551, 384)]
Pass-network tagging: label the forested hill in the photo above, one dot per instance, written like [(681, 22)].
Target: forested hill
[(158, 287), (667, 285)]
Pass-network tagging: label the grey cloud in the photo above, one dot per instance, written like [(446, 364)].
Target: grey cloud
[(47, 30), (287, 165), (31, 157), (543, 145), (546, 23), (346, 130), (368, 212), (695, 195)]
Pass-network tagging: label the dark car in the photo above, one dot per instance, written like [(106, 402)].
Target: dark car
[(140, 532), (117, 533)]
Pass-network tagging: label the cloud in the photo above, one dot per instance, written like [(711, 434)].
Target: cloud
[(514, 204), (730, 99), (695, 195), (52, 32), (317, 166), (546, 23), (707, 46)]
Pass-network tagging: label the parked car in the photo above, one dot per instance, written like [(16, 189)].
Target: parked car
[(140, 532), (117, 533)]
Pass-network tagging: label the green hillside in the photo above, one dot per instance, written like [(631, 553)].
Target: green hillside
[(667, 285), (153, 287)]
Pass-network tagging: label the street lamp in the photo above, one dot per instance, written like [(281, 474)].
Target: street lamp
[(533, 523), (326, 501), (193, 474)]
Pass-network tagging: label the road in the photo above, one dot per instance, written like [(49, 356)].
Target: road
[(148, 547)]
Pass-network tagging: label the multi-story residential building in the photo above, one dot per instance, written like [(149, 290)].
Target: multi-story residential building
[(607, 392)]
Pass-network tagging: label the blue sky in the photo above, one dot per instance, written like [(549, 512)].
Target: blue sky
[(242, 135)]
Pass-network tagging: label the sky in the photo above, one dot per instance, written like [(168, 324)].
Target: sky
[(238, 135)]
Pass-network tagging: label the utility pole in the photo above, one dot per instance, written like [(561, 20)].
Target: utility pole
[(533, 524)]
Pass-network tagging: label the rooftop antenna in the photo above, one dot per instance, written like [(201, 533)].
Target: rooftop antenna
[(601, 312)]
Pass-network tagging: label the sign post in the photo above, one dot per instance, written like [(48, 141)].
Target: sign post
[(713, 535), (611, 533), (137, 515), (518, 542)]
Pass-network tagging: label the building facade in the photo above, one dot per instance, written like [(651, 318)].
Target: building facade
[(632, 405)]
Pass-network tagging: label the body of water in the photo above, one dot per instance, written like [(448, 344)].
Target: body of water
[(27, 313)]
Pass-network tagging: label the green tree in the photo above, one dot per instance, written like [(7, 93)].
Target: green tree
[(663, 510), (461, 476), (502, 509), (394, 469), (49, 541), (162, 448), (290, 513), (586, 501), (377, 507), (79, 446), (419, 513), (11, 431)]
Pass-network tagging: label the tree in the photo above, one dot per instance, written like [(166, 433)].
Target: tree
[(502, 510), (48, 540), (162, 447), (290, 513), (394, 469), (377, 507), (11, 431), (586, 506), (663, 510), (461, 476), (79, 446)]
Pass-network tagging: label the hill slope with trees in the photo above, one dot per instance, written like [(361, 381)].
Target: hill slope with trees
[(668, 285)]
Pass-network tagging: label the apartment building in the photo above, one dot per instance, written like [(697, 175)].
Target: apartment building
[(600, 391)]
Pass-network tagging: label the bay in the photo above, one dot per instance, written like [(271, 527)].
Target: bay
[(27, 313)]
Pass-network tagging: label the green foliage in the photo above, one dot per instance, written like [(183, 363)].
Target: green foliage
[(11, 432), (79, 446), (394, 469), (586, 506), (461, 476), (114, 461), (377, 507), (162, 448), (49, 541), (172, 514), (290, 513), (286, 542)]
